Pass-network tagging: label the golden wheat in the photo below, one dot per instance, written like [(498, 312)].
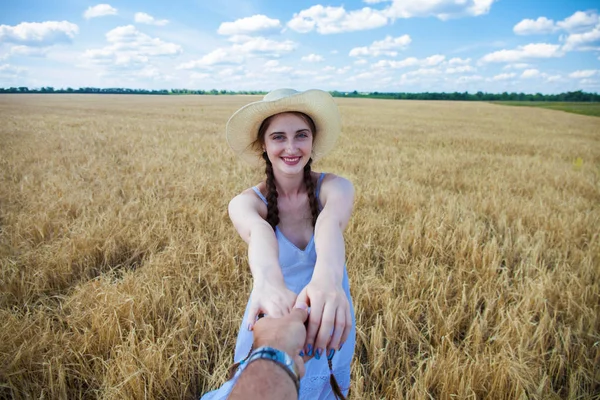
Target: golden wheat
[(473, 251)]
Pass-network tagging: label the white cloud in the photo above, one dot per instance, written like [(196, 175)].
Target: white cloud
[(215, 57), (517, 66), (328, 20), (387, 46), (28, 51), (128, 38), (460, 69), (8, 69), (583, 28), (280, 70), (583, 41), (271, 63), (424, 72), (245, 46), (470, 78), (441, 9), (329, 68), (143, 18), (362, 61), (130, 49), (542, 25), (264, 46), (39, 33), (411, 62), (553, 78), (579, 21), (530, 73), (459, 61), (99, 10), (375, 1), (584, 73), (534, 50), (200, 76), (362, 77), (149, 73), (248, 25), (10, 74), (303, 72), (312, 58), (503, 77)]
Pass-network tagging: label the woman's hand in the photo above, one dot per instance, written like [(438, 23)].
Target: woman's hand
[(329, 322), (272, 299)]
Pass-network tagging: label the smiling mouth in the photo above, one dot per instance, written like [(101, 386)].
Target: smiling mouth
[(290, 160)]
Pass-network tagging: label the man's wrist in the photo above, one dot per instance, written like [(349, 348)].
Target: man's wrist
[(279, 357)]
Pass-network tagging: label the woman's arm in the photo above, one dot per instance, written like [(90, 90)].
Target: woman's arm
[(269, 294), (330, 309)]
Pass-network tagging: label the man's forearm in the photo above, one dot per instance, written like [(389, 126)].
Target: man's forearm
[(264, 380)]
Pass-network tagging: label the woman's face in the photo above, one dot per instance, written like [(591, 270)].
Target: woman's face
[(288, 142)]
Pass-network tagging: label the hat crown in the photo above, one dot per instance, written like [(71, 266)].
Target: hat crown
[(279, 94)]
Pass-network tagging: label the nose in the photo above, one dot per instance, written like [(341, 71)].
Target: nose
[(291, 146)]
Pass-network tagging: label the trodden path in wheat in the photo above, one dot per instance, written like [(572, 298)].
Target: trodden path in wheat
[(473, 251)]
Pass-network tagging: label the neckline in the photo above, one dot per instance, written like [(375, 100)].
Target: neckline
[(311, 241)]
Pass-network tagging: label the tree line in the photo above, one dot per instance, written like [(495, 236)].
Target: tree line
[(577, 96)]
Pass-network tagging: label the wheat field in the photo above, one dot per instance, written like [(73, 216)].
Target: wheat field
[(473, 251)]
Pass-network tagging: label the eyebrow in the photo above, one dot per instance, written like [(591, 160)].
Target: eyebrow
[(283, 133)]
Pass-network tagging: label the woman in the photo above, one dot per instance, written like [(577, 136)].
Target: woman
[(293, 224)]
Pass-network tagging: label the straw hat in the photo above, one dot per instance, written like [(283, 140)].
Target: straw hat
[(242, 127)]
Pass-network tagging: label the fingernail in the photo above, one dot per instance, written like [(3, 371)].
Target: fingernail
[(341, 344), (249, 327), (301, 353), (318, 354), (309, 350), (330, 355), (302, 306)]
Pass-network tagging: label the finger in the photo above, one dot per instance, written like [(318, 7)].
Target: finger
[(347, 329), (300, 312), (325, 330), (299, 366), (338, 330), (302, 298), (252, 315), (314, 321)]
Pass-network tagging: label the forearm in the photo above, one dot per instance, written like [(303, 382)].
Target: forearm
[(263, 255), (331, 251), (264, 380)]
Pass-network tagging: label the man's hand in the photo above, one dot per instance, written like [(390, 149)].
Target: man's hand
[(287, 333)]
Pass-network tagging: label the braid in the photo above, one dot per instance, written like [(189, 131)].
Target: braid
[(272, 210), (310, 191)]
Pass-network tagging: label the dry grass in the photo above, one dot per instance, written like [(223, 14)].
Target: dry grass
[(473, 252)]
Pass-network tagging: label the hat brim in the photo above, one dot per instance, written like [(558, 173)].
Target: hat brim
[(242, 127)]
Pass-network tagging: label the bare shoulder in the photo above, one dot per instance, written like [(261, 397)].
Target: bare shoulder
[(247, 202), (335, 185)]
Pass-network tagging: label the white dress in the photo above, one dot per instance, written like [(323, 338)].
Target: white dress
[(297, 267)]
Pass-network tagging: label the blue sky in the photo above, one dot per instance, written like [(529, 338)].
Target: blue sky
[(546, 46)]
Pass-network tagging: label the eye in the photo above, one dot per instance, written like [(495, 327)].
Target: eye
[(302, 135), (277, 137)]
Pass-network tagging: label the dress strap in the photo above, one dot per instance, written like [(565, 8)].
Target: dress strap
[(259, 194)]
